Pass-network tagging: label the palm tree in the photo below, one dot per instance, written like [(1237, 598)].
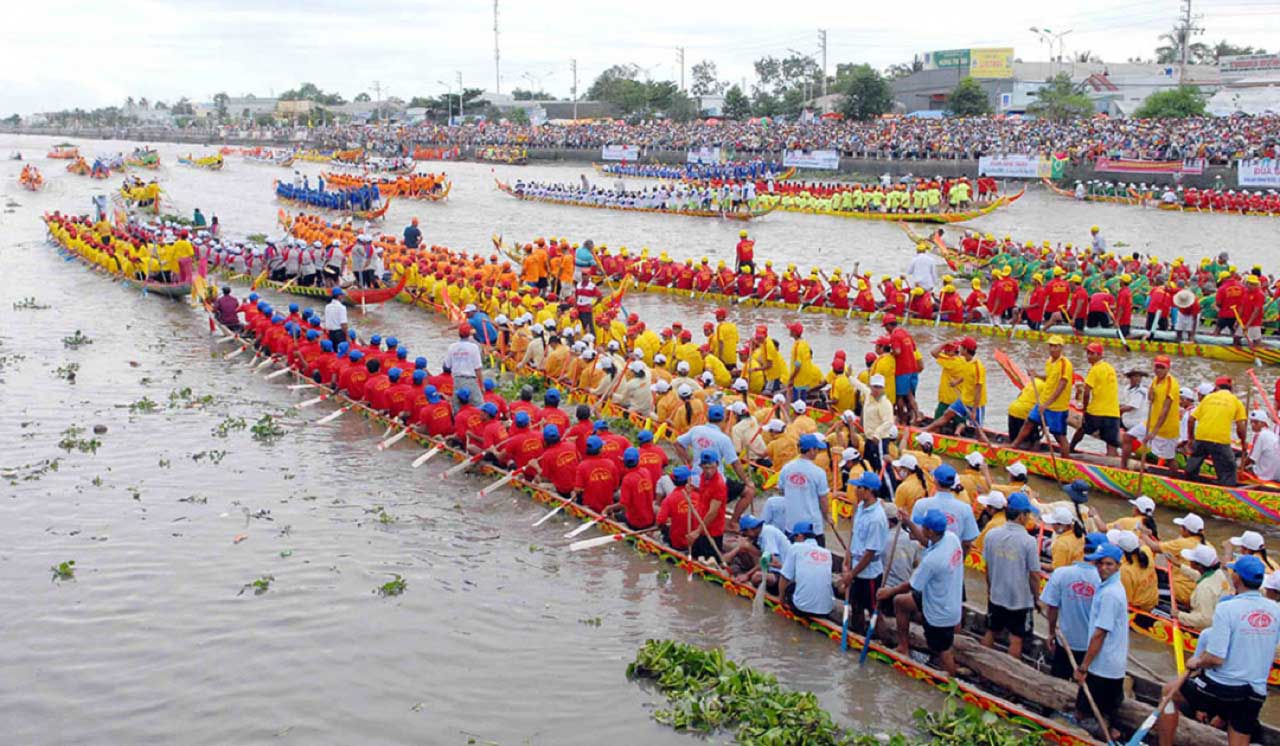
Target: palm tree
[(1171, 50)]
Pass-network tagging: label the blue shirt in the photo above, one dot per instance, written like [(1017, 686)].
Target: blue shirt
[(804, 485), (870, 533), (583, 257), (708, 438), (1246, 629), (775, 513), (1070, 590), (809, 567), (940, 580), (1110, 613), (775, 543), (960, 520)]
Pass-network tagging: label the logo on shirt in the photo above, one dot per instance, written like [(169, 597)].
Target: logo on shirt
[(1260, 620), (956, 558), (818, 556), (798, 480), (703, 443), (1083, 589)]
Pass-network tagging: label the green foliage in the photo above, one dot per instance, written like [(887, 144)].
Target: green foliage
[(521, 94), (259, 586), (76, 341), (29, 304), (1060, 100), (619, 85), (1183, 101), (516, 116), (511, 389), (736, 104), (968, 99), (143, 406), (64, 570), (784, 85), (266, 429), (393, 587), (706, 79), (229, 424), (310, 92), (866, 93), (72, 441)]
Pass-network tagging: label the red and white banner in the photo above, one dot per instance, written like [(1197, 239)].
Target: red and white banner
[(1259, 172), (1191, 166)]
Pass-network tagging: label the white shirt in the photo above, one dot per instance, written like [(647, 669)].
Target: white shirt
[(1135, 397), (1266, 455), (335, 315), (921, 271), (463, 357)]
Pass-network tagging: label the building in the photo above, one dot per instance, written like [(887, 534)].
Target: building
[(1117, 89)]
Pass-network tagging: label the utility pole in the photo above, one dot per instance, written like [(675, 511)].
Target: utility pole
[(497, 69), (460, 113), (573, 65), (680, 60), (1187, 28), (822, 42), (377, 98)]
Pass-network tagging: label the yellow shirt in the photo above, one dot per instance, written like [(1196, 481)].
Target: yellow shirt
[(1140, 585), (1128, 523), (688, 353), (1183, 585), (842, 394), (1067, 548), (885, 366), (1056, 371), (725, 343), (908, 492), (556, 361), (1215, 415), (1160, 392), (182, 249), (1021, 407), (806, 374), (996, 521), (1104, 391), (721, 374), (962, 375)]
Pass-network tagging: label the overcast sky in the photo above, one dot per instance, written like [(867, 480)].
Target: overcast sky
[(62, 54)]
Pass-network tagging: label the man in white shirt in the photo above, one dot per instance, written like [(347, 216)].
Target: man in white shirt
[(923, 269), (335, 318), (1133, 400), (1264, 456), (463, 359)]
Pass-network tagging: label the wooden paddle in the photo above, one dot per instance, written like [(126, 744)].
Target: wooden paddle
[(1179, 656), (1253, 346), (600, 541), (334, 415), (1088, 695), (1141, 733)]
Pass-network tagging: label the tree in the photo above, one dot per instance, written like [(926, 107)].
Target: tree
[(900, 70), (143, 103), (362, 98), (160, 106), (1060, 99), (13, 120), (705, 80), (309, 92), (1183, 101), (1225, 49), (520, 94), (517, 116), (264, 120), (736, 103), (968, 99), (866, 95), (1087, 56), (128, 102), (220, 101), (1171, 50), (182, 107)]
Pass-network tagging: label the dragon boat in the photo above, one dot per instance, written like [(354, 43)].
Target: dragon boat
[(612, 170), (64, 151), (31, 179), (211, 163), (173, 290), (944, 218), (742, 216)]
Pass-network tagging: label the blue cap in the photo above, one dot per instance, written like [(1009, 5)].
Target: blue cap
[(253, 297), (343, 347), (1250, 569), (599, 425), (375, 339), (631, 456), (490, 384), (326, 345), (522, 419), (277, 319), (944, 476), (1020, 503), (420, 363), (293, 308), (680, 474), (809, 442), (356, 355), (868, 480), (748, 522), (1078, 491), (552, 395), (715, 413), (418, 377), (402, 352), (550, 433), (312, 334), (1094, 540), (934, 520), (707, 458), (394, 374), (463, 395), (432, 395), (489, 408), (1106, 551), (644, 436), (336, 292), (430, 390), (392, 342), (594, 444), (803, 527)]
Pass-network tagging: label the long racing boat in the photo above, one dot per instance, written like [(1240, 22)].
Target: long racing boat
[(743, 216), (945, 218)]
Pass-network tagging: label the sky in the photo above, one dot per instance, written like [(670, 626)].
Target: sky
[(61, 54)]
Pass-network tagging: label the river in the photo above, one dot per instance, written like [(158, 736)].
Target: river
[(501, 634)]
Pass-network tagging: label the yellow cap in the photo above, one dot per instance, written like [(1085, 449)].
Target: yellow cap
[(1223, 275), (1074, 278), (1038, 277), (948, 288), (975, 283), (1056, 340), (1059, 271), (1094, 229), (1253, 280), (922, 247), (917, 291), (1126, 277), (948, 278), (742, 233)]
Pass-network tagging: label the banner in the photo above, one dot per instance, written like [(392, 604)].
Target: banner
[(1241, 66), (1010, 166), (703, 155), (1191, 167), (947, 59), (826, 160), (1259, 172), (620, 153), (996, 62)]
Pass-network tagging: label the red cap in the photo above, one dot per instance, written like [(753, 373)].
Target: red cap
[(1094, 347), (708, 327), (889, 318), (841, 355), (686, 335), (704, 349), (762, 330), (969, 343), (883, 342), (837, 365), (633, 318), (464, 330), (744, 352), (666, 332), (1163, 360), (1222, 381), (676, 325), (722, 312), (870, 358), (796, 328)]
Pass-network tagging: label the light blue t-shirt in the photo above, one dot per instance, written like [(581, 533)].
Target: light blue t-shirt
[(708, 438), (809, 567), (940, 580), (960, 520), (1070, 590), (870, 532), (1011, 558), (804, 485), (775, 513), (582, 257), (1246, 629), (775, 543), (1110, 612)]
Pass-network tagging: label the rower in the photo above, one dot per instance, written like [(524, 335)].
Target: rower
[(805, 586), (1106, 659), (709, 436), (868, 540), (1052, 404), (1228, 674), (758, 539), (1209, 428), (1201, 562), (934, 590), (412, 235), (1067, 597), (1101, 402), (674, 515), (960, 520), (635, 493), (1013, 576)]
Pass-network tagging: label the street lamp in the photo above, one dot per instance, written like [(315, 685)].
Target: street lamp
[(1048, 38)]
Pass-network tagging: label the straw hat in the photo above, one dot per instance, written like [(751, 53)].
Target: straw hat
[(1184, 298)]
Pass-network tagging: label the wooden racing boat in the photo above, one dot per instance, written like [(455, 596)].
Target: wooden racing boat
[(353, 296), (211, 163), (914, 217), (64, 151), (143, 159), (1175, 207), (313, 156), (349, 156), (743, 216), (610, 169), (370, 215), (1134, 197), (79, 167), (31, 179), (174, 290)]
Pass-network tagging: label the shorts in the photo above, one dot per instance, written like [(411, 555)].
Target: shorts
[(965, 413), (1185, 322), (1061, 667), (1238, 705), (1165, 448), (1254, 334), (941, 409), (939, 639), (862, 594), (702, 547), (1106, 428), (1107, 694), (734, 489), (1056, 421), (1017, 622), (902, 385)]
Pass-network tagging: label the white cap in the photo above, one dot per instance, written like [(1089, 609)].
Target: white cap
[(1191, 522), (1259, 415), (1201, 554), (1272, 582), (706, 378), (1060, 516), (740, 384), (907, 462), (779, 399), (739, 407), (994, 499), (469, 308), (606, 363), (974, 459), (1251, 540), (685, 391), (1187, 393), (1204, 389), (775, 426), (549, 324), (502, 319), (636, 367), (1126, 540), (682, 367), (1144, 504), (848, 416), (877, 380), (662, 386), (799, 406), (849, 454), (636, 355), (659, 359), (613, 346), (587, 337), (1017, 469), (924, 439), (588, 353), (536, 331), (578, 347)]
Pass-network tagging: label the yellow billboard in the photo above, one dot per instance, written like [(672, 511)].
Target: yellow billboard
[(994, 62)]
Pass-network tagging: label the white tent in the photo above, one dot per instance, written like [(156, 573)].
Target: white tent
[(1259, 100)]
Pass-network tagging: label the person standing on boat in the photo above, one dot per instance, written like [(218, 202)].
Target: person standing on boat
[(960, 519), (804, 485), (1228, 674), (744, 253), (934, 590), (1209, 429), (1101, 402), (1013, 576), (1107, 656), (868, 538), (923, 269), (227, 310), (1067, 598), (1160, 430), (1264, 455), (335, 318), (465, 365), (412, 235)]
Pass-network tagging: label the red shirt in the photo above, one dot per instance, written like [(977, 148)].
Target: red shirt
[(559, 464), (325, 365), (636, 498), (579, 433), (598, 478), (712, 489), (654, 459), (1124, 306), (675, 509), (554, 416), (904, 352), (353, 379), (436, 418), (467, 420), (523, 447), (375, 391), (746, 250), (499, 402), (528, 407), (613, 447), (492, 433), (400, 398), (443, 383), (1057, 293)]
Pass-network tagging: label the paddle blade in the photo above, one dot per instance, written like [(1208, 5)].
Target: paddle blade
[(424, 458), (310, 402), (544, 518), (496, 485), (844, 630), (1141, 733), (384, 445), (332, 416), (236, 353), (866, 642), (599, 541), (581, 529), (277, 374)]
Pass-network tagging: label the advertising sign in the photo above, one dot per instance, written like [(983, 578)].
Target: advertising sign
[(620, 152), (996, 62), (1259, 172), (826, 160)]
